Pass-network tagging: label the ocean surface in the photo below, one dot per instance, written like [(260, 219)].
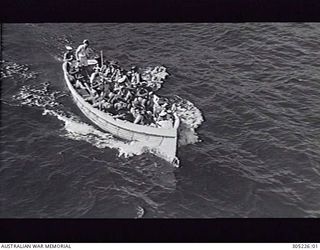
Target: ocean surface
[(254, 149)]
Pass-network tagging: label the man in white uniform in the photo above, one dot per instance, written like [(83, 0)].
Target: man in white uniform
[(82, 53)]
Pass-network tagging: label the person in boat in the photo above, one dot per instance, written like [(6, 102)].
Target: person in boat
[(100, 85), (99, 61), (117, 75), (148, 118), (86, 85), (146, 76), (136, 102), (113, 66), (122, 91), (121, 106), (106, 72), (68, 55), (100, 100), (163, 120), (142, 92), (134, 75), (138, 117), (104, 105), (143, 96), (158, 74), (94, 75), (157, 108), (79, 85), (122, 77), (151, 86), (68, 68), (105, 88), (82, 53), (103, 69), (127, 95), (109, 69), (110, 97), (115, 95), (124, 114), (93, 98)]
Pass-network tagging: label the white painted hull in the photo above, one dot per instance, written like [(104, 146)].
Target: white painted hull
[(163, 142)]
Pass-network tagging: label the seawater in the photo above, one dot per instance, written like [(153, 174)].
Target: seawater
[(249, 144)]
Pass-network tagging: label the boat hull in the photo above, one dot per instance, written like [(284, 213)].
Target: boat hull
[(162, 142)]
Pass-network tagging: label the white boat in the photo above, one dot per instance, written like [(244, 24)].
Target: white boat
[(161, 141)]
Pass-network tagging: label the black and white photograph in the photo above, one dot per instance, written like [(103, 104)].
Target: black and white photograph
[(160, 120)]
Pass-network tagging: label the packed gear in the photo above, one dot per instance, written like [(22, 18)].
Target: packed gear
[(127, 95)]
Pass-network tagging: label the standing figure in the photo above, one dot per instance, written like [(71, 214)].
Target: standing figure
[(82, 53)]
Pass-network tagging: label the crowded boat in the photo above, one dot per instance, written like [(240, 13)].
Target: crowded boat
[(129, 95)]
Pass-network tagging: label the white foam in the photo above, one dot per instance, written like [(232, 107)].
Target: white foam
[(36, 97), (81, 131), (191, 118), (12, 69)]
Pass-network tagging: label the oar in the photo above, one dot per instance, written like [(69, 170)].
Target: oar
[(101, 58)]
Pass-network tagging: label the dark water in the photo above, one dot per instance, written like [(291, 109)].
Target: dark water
[(257, 86)]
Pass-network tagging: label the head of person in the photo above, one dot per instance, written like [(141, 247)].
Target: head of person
[(67, 56), (86, 42), (134, 69), (69, 50)]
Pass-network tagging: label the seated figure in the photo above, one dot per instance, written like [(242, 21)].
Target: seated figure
[(93, 97), (94, 75), (164, 121), (79, 85)]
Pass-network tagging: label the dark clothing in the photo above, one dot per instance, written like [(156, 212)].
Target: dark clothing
[(98, 58), (68, 55)]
